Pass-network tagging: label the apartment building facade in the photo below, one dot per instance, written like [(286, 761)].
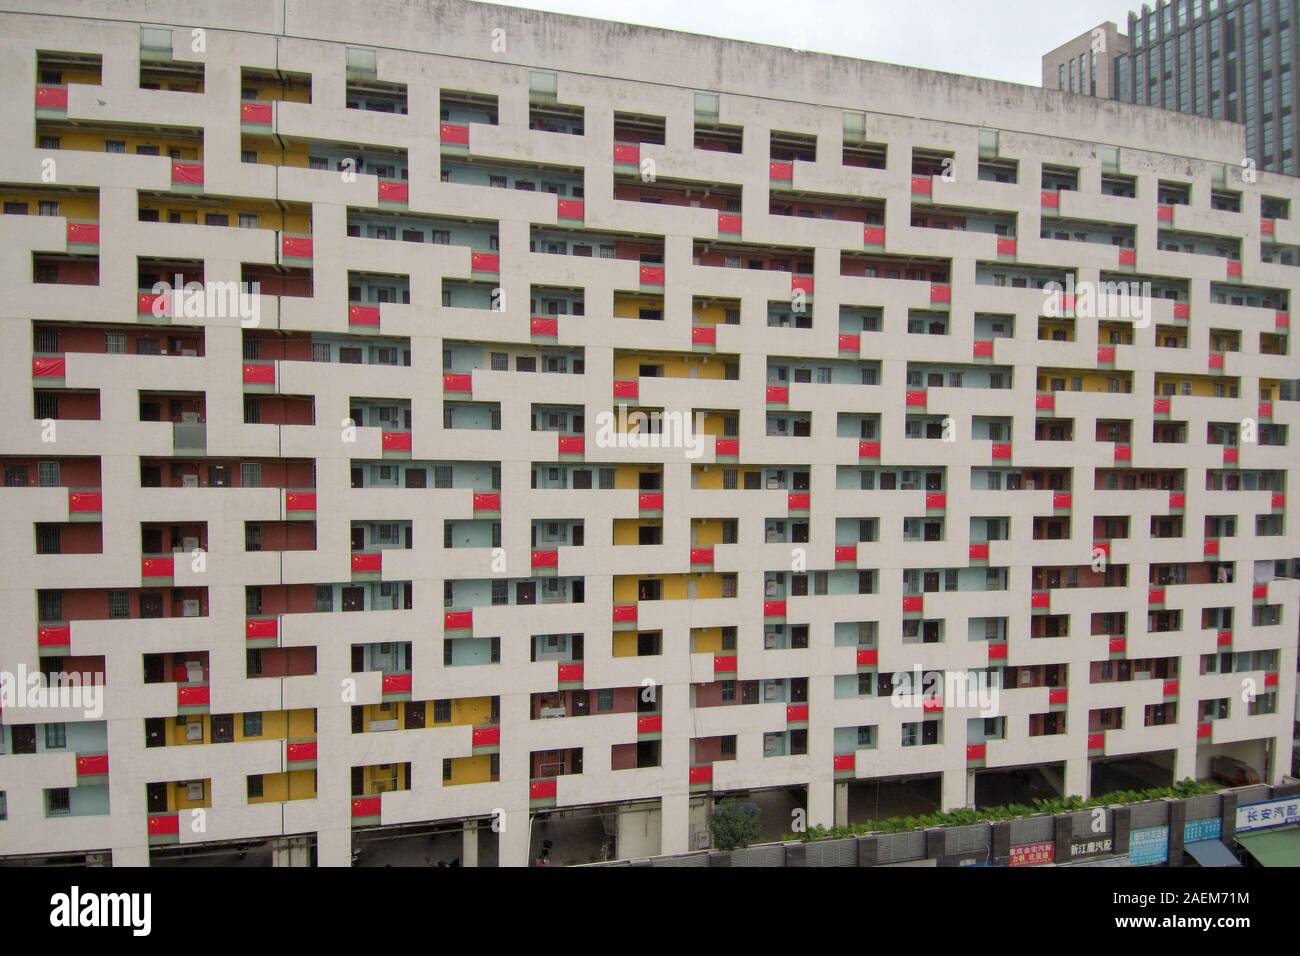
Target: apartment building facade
[(1225, 59), (830, 399)]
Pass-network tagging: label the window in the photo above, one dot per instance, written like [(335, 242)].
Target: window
[(47, 474), (56, 736), (324, 598), (119, 605), (250, 475), (253, 724), (58, 801), (255, 789)]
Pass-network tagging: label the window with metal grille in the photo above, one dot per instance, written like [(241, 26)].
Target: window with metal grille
[(58, 801), (119, 605), (47, 539), (250, 474), (50, 605)]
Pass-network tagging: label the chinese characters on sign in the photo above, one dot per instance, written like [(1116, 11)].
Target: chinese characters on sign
[(1149, 846), (1197, 830), (1082, 848), (1272, 813), (1032, 854)]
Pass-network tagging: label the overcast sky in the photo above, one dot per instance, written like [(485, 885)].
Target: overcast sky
[(1001, 39)]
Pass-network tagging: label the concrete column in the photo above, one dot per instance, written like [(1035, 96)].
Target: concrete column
[(469, 844), (291, 851), (821, 803), (842, 803), (1077, 778), (334, 847), (1185, 762), (674, 823), (953, 796), (512, 841)]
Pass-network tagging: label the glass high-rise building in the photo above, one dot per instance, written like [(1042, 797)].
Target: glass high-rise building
[(1226, 59)]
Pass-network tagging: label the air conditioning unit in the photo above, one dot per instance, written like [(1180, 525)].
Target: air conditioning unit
[(189, 481), (194, 790), (193, 671), (189, 418), (190, 607), (702, 839), (194, 731)]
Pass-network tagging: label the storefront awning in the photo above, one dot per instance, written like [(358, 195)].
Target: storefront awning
[(1211, 853), (1273, 847)]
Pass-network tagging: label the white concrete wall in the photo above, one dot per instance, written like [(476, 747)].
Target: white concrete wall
[(449, 46)]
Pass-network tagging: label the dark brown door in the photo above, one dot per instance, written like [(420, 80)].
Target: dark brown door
[(525, 592), (354, 599), (223, 728), (24, 738), (577, 536), (358, 539), (155, 731), (151, 541), (151, 604), (414, 714), (358, 658), (153, 669), (358, 726), (156, 797)]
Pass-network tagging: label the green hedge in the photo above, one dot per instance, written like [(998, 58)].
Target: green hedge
[(1014, 811)]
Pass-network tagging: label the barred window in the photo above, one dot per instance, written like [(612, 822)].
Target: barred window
[(119, 605)]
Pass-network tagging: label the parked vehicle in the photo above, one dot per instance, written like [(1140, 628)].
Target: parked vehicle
[(1231, 772)]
